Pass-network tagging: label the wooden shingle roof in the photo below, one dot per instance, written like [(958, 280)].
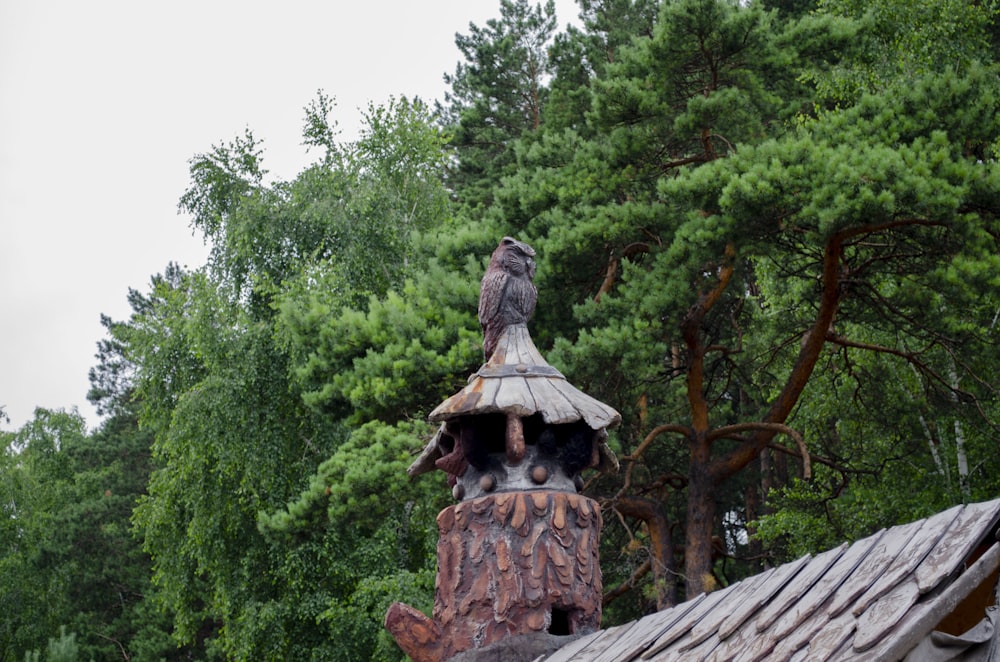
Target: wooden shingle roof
[(517, 380), (875, 599)]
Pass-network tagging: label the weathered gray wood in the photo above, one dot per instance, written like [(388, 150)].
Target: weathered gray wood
[(598, 646), (709, 624), (514, 397), (488, 389), (758, 647), (874, 564), (734, 644), (832, 636), (791, 647), (884, 614), (752, 603), (924, 617), (556, 408), (917, 548), (518, 346), (517, 380), (798, 586), (801, 655), (781, 579), (957, 542), (806, 610), (825, 588), (641, 637), (575, 649), (700, 652), (596, 414), (692, 610)]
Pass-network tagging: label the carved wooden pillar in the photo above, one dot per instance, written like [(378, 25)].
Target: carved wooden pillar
[(508, 564), (519, 553)]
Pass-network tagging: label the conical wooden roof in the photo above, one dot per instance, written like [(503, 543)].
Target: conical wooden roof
[(517, 380)]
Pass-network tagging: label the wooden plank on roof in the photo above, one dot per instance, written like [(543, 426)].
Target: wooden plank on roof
[(734, 644), (750, 604), (556, 408), (831, 637), (792, 646), (873, 565), (574, 650), (607, 642), (885, 613), (790, 624), (683, 625), (757, 647), (846, 654), (709, 625), (927, 613), (513, 396), (692, 611), (699, 652), (569, 651), (779, 580), (801, 655), (642, 637), (922, 542), (488, 392), (521, 348), (597, 414), (975, 520), (798, 587), (792, 641)]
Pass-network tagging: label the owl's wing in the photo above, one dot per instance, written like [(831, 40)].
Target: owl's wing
[(491, 293), (525, 296)]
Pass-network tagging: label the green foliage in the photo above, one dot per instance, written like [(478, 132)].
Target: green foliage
[(363, 365), (262, 410), (63, 649), (225, 358), (903, 38), (71, 559), (498, 94)]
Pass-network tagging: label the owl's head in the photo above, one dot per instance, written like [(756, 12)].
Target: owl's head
[(516, 257)]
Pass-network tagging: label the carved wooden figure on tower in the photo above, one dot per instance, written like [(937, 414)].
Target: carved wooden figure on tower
[(518, 553)]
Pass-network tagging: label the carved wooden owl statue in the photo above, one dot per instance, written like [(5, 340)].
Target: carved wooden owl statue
[(507, 295)]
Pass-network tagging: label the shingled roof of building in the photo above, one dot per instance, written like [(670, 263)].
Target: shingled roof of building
[(880, 598)]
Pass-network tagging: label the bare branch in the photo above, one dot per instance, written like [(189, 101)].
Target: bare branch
[(779, 428), (635, 455)]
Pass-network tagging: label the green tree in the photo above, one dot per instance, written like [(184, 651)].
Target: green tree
[(223, 360), (904, 38), (707, 169), (37, 480), (497, 94)]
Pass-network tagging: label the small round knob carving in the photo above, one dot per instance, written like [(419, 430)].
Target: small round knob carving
[(488, 482), (539, 474)]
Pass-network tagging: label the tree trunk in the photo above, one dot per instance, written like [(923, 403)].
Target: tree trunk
[(700, 516), (661, 546), (961, 458)]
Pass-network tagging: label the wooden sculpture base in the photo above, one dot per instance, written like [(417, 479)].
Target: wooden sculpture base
[(508, 564)]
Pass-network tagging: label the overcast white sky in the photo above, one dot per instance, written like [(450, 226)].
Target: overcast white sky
[(102, 104)]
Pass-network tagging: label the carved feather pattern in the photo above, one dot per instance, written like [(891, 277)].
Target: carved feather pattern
[(506, 560)]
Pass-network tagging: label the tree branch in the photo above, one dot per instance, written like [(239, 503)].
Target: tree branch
[(809, 353), (777, 428), (634, 456), (628, 584)]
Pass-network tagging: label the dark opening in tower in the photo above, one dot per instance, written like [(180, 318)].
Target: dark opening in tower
[(559, 623)]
